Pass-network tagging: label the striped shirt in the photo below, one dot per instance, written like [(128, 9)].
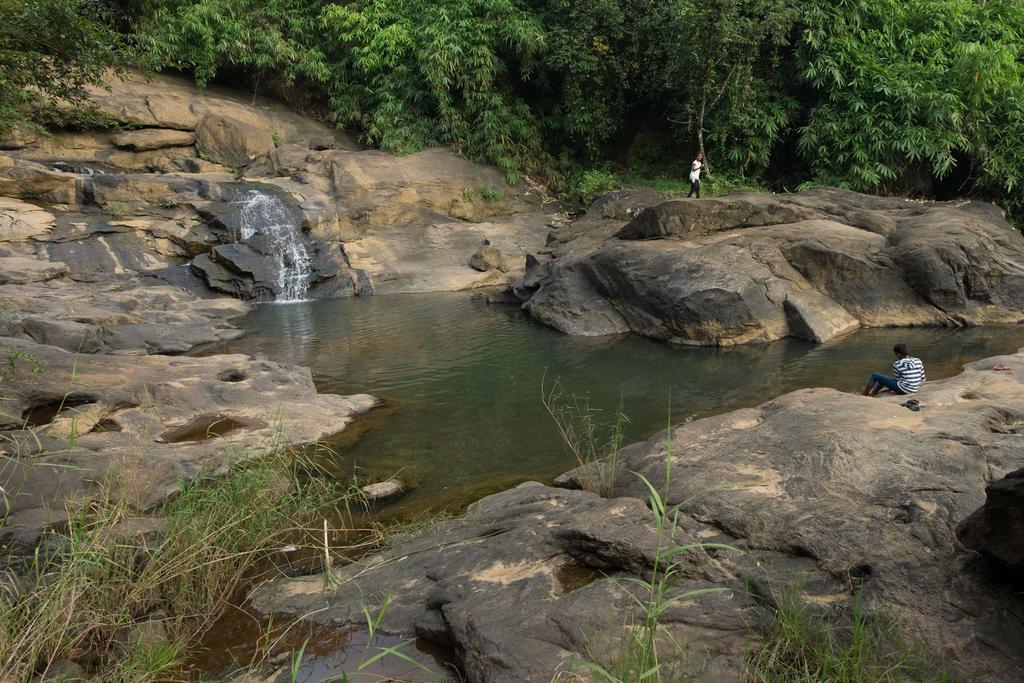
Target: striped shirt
[(909, 374)]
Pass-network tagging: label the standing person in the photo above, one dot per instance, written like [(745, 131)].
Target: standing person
[(908, 371), (695, 168)]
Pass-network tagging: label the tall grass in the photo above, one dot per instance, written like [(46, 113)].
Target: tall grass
[(805, 645), (591, 436), (85, 600)]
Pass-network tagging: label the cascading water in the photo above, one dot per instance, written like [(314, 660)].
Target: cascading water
[(264, 214)]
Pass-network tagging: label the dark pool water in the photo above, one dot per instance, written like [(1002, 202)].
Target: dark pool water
[(462, 380)]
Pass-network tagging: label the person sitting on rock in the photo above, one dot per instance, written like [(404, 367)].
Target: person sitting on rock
[(695, 168), (908, 371)]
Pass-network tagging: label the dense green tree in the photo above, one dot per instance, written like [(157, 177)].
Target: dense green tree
[(50, 50), (877, 95), (727, 79), (911, 88)]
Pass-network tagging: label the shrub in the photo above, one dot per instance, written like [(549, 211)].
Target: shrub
[(589, 185)]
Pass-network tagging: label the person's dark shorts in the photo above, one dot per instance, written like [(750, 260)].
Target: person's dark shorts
[(886, 381)]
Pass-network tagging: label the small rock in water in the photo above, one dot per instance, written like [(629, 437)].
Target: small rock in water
[(383, 490)]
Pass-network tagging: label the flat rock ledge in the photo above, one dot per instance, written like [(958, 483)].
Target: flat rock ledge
[(71, 421), (755, 267), (836, 493)]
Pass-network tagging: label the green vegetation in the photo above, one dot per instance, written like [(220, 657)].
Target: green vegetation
[(804, 645), (117, 209), (921, 97), (50, 50), (592, 437), (486, 192), (587, 186), (131, 602)]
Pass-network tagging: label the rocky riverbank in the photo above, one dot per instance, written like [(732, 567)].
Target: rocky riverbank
[(117, 249), (836, 494)]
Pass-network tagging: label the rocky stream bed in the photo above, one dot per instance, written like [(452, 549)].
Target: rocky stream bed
[(118, 248)]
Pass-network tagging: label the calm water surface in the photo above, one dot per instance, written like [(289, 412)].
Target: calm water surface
[(462, 380)]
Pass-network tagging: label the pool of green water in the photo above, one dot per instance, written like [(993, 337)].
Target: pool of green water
[(462, 379)]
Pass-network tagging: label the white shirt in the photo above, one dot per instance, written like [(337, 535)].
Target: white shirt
[(695, 171)]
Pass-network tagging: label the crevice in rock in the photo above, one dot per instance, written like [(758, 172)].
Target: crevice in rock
[(43, 411), (209, 426)]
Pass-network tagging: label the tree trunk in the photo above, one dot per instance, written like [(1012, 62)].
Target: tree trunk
[(700, 132)]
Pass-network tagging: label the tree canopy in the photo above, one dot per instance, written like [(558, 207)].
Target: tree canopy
[(50, 50), (892, 96)]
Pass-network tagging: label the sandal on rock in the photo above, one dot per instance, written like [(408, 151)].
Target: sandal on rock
[(1003, 368), (912, 404)]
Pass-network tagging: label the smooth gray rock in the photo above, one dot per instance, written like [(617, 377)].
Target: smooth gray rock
[(996, 529)]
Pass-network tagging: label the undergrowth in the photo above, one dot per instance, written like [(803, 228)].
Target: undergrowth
[(806, 645), (588, 185), (591, 436), (93, 588)]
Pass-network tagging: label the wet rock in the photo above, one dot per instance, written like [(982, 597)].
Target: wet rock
[(996, 529), (383, 490), (20, 270), (232, 142), (152, 138)]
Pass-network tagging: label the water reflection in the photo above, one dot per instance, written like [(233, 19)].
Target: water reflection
[(463, 379)]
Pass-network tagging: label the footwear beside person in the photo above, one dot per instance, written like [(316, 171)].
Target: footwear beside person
[(908, 375)]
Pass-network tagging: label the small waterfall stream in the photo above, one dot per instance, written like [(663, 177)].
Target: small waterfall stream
[(264, 214)]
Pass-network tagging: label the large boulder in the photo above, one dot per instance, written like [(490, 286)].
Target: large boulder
[(525, 584), (126, 316), (232, 142), (757, 267), (996, 529)]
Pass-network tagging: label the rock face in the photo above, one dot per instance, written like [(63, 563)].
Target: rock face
[(837, 494), (232, 142), (996, 529), (370, 221), (70, 421), (757, 267)]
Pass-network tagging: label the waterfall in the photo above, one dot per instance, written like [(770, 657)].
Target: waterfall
[(264, 214)]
